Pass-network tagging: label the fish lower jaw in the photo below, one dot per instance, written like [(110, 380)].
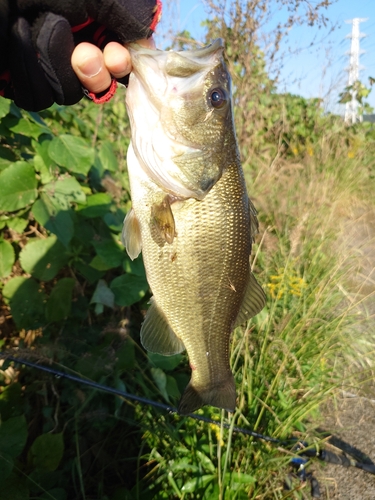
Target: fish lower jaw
[(219, 394)]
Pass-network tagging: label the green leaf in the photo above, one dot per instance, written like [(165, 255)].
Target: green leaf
[(103, 295), (7, 258), (73, 153), (55, 494), (65, 191), (14, 488), (13, 436), (17, 186), (7, 157), (160, 379), (125, 356), (128, 289), (135, 266), (60, 301), (4, 106), (45, 172), (43, 258), (27, 128), (46, 452), (167, 363), (115, 221), (198, 482), (89, 273), (110, 252), (53, 218), (18, 224), (26, 299), (97, 205), (107, 157), (6, 465)]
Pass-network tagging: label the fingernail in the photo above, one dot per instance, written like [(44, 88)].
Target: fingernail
[(91, 67)]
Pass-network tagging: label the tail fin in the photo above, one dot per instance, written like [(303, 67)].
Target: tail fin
[(221, 395)]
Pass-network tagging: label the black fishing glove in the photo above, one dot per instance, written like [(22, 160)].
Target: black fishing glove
[(37, 38)]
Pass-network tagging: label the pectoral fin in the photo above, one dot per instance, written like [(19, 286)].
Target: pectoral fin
[(253, 302), (156, 334), (131, 235), (162, 218)]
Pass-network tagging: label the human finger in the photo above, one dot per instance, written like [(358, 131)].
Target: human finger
[(117, 59), (88, 64)]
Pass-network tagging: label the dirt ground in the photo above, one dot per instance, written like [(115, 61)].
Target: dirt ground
[(352, 416)]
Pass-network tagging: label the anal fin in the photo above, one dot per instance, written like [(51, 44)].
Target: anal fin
[(253, 302), (156, 334), (131, 235)]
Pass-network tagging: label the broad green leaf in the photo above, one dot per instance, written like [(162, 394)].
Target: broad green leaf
[(59, 304), (128, 289), (7, 157), (109, 252), (14, 487), (73, 153), (17, 186), (13, 436), (160, 380), (18, 224), (7, 258), (99, 264), (103, 295), (107, 157), (27, 128), (55, 493), (45, 171), (89, 273), (43, 258), (53, 218), (11, 399), (166, 363), (115, 221), (4, 106), (97, 205), (125, 356), (6, 465), (172, 388), (26, 299), (46, 452), (135, 266), (65, 191), (198, 482)]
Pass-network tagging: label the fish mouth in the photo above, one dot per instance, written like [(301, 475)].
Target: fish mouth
[(159, 83)]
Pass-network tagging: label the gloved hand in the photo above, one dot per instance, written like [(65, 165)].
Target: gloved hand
[(37, 38)]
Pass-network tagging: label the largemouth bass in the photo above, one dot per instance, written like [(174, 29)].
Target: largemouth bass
[(191, 216)]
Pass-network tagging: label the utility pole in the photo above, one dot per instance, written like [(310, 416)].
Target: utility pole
[(351, 108)]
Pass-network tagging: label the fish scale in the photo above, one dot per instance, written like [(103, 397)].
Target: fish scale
[(195, 248)]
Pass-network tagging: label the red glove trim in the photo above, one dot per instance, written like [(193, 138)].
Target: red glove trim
[(99, 38), (83, 25), (106, 97), (157, 15)]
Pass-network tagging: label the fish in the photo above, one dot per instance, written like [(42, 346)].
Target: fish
[(191, 216)]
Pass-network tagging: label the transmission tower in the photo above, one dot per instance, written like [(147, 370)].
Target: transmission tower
[(351, 109)]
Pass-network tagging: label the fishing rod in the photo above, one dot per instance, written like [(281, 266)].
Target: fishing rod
[(303, 450)]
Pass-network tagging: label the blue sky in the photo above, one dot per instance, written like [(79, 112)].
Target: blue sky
[(314, 72)]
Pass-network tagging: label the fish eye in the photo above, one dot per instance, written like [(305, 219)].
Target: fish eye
[(218, 97)]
